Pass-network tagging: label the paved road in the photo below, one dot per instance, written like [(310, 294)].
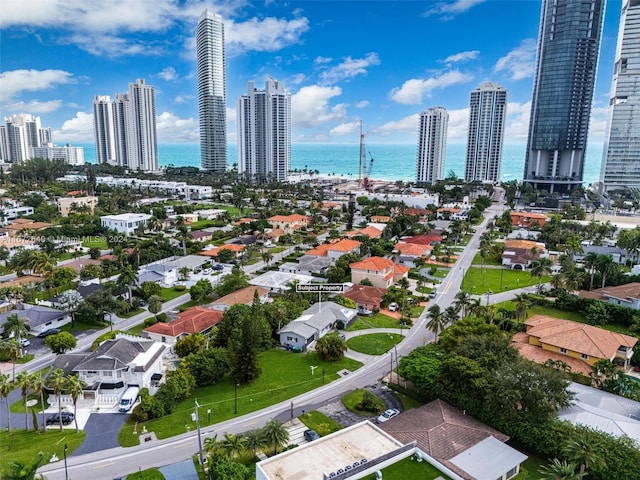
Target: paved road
[(122, 461)]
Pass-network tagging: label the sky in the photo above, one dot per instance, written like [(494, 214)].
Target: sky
[(376, 61)]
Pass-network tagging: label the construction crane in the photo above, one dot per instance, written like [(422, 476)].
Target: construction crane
[(365, 172), (366, 182)]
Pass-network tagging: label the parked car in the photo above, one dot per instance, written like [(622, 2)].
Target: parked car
[(206, 271), (25, 342), (311, 435), (393, 307), (51, 331), (364, 311), (388, 414), (217, 266), (432, 294), (67, 418)]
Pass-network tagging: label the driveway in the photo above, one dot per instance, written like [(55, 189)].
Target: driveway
[(101, 432)]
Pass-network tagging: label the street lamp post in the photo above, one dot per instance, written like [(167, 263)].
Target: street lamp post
[(66, 472), (199, 436)]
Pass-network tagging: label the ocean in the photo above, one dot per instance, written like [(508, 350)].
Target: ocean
[(391, 161)]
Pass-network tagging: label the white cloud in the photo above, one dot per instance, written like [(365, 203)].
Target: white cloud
[(462, 56), (298, 78), (105, 44), (517, 125), (321, 60), (345, 129), (15, 82), (183, 99), (413, 91), (168, 74), (310, 106), (598, 123), (34, 106), (363, 104), (458, 125), (232, 114), (519, 62), (265, 35), (172, 128), (349, 68), (78, 129), (446, 11), (407, 124)]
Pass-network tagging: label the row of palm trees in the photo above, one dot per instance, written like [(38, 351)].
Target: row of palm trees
[(273, 435), (37, 384)]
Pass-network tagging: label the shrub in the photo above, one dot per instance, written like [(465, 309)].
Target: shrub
[(150, 321), (162, 317), (371, 403), (180, 288)]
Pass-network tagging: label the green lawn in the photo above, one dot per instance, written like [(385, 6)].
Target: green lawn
[(377, 320), (477, 260), (137, 330), (359, 324), (374, 343), (440, 273), (408, 402), (170, 293), (415, 311), (408, 468), (18, 406), (477, 283), (529, 470), (323, 425), (149, 474), (95, 242), (23, 446), (132, 313), (352, 400), (78, 326), (274, 385)]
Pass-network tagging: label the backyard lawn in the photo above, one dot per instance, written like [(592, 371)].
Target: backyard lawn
[(99, 242), (476, 282), (323, 425), (374, 343), (284, 375), (171, 293), (24, 445), (409, 468)]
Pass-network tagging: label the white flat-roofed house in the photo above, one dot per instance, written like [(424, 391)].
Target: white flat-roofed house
[(126, 223), (210, 213)]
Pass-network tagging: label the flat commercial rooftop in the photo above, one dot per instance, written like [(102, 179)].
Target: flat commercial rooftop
[(328, 454)]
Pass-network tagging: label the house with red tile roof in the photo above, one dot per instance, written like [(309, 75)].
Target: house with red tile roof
[(192, 320), (406, 253), (525, 219), (381, 272), (380, 218), (577, 344), (431, 238), (520, 254), (234, 247), (245, 296), (366, 296), (335, 250), (627, 295), (289, 223), (369, 231)]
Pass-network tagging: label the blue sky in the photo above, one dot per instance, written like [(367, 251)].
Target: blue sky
[(381, 62)]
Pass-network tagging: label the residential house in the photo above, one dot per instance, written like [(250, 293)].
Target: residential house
[(68, 205), (78, 263), (370, 231), (380, 218), (276, 281), (366, 296), (577, 344), (466, 446), (84, 291), (408, 253), (187, 218), (432, 238), (125, 223), (167, 272), (38, 317), (520, 254), (526, 219), (381, 272), (200, 235), (245, 296), (314, 323), (523, 234), (618, 255), (627, 295), (236, 249), (333, 251), (14, 245), (192, 320), (22, 226), (210, 214), (289, 223), (113, 367), (447, 213), (307, 265)]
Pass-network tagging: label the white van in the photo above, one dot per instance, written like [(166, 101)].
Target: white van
[(129, 398)]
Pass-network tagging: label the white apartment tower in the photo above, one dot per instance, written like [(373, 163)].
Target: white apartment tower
[(264, 132), (125, 129), (621, 159), (432, 145), (487, 114), (212, 88), (19, 135)]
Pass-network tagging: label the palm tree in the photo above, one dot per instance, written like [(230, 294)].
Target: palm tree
[(253, 441), (57, 383), (522, 306), (75, 387), (13, 349), (127, 278), (184, 273), (24, 381), (37, 385), (436, 320), (583, 453), (463, 302), (233, 445), (541, 268), (155, 304), (267, 257), (559, 470), (606, 266), (6, 387), (211, 444), (21, 471), (40, 263), (450, 315), (15, 327), (275, 434), (590, 262)]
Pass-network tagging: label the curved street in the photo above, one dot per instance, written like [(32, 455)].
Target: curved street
[(122, 461)]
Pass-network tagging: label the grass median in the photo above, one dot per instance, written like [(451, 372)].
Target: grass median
[(284, 375)]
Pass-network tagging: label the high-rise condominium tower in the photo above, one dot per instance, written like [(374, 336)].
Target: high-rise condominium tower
[(487, 112), (19, 135), (621, 162), (125, 129), (264, 132), (432, 145), (567, 58), (212, 88)]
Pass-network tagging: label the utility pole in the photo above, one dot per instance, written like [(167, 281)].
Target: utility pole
[(199, 436)]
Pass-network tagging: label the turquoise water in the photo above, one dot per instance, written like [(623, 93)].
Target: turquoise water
[(391, 161)]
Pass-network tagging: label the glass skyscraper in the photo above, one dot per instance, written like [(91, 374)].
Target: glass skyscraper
[(432, 145), (212, 88), (567, 58), (621, 160)]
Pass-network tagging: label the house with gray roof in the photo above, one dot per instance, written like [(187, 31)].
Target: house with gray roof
[(314, 323), (38, 317)]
